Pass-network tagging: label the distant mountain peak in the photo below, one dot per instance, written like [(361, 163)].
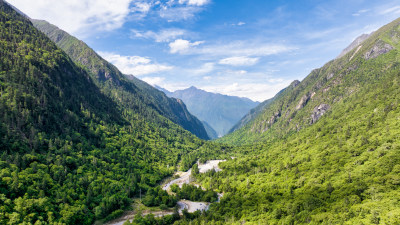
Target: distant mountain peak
[(108, 76), (218, 112)]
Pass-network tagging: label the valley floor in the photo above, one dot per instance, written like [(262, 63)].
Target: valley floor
[(184, 178)]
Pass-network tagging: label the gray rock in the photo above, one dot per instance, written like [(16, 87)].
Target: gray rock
[(303, 101), (295, 83), (354, 44), (318, 112), (379, 48)]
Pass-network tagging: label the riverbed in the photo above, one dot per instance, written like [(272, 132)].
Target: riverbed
[(184, 178)]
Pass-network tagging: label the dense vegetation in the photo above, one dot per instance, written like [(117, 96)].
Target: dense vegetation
[(75, 147), (71, 153), (158, 197), (129, 91), (193, 193), (291, 109), (151, 220), (341, 168)]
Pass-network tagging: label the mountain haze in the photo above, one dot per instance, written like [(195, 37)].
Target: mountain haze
[(221, 112)]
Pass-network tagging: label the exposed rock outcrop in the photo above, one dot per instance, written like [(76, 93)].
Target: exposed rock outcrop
[(295, 83), (274, 118), (354, 44), (318, 112), (379, 48), (303, 101)]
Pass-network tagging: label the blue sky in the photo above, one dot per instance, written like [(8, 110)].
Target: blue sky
[(247, 48)]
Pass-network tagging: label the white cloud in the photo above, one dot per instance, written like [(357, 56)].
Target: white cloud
[(182, 46), (394, 9), (236, 72), (254, 91), (239, 61), (154, 80), (178, 10), (173, 14), (82, 16), (239, 24), (240, 49), (86, 17), (164, 35), (142, 7), (360, 12), (194, 2), (134, 65), (316, 34), (206, 68)]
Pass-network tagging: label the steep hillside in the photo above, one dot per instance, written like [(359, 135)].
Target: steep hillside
[(355, 44), (258, 110), (70, 154), (179, 112), (221, 112), (210, 131), (318, 93), (114, 84), (324, 152)]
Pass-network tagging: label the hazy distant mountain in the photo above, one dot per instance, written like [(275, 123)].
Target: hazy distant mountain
[(212, 134), (221, 112)]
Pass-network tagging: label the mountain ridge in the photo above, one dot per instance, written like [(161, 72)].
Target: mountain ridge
[(284, 113), (108, 76), (323, 152), (221, 112), (259, 109), (69, 152)]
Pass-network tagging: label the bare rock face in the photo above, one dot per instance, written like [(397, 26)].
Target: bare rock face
[(354, 44), (295, 83), (275, 118), (303, 102), (318, 112), (379, 48)]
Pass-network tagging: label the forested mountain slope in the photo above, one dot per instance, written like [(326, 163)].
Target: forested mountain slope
[(324, 152), (258, 110), (69, 152), (221, 112), (301, 106), (132, 93)]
